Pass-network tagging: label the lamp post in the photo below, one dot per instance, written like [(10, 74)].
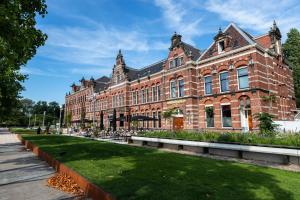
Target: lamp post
[(29, 120), (44, 119), (94, 115), (59, 123), (34, 120)]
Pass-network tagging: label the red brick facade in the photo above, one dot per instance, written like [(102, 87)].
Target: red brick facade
[(220, 88)]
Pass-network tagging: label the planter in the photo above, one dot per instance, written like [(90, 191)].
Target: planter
[(259, 153)]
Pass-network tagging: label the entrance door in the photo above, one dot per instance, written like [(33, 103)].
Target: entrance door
[(246, 120), (177, 123)]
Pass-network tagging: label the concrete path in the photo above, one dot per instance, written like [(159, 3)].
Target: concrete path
[(22, 174)]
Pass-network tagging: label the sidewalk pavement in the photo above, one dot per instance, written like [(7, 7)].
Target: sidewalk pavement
[(22, 174)]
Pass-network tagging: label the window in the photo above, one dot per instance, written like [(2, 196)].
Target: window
[(147, 95), (159, 119), (243, 78), (176, 62), (154, 118), (208, 84), (173, 89), (133, 97), (158, 92), (143, 96), (154, 95), (137, 97), (181, 88), (224, 81), (221, 46), (226, 116), (209, 113)]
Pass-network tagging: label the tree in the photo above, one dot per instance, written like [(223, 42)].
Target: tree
[(266, 124), (291, 50), (19, 39)]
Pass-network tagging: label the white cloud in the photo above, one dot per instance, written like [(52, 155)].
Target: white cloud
[(258, 15), (94, 46), (91, 71), (41, 72), (179, 16)]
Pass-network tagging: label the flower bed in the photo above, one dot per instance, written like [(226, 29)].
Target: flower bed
[(278, 140)]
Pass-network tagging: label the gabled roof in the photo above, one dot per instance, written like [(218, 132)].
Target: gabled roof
[(195, 53), (101, 83), (246, 39)]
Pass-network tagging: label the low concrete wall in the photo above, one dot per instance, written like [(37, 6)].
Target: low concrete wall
[(260, 153), (224, 152)]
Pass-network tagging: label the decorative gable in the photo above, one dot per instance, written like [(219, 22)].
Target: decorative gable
[(119, 74), (232, 38), (180, 52)]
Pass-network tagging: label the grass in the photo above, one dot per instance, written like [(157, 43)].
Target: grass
[(129, 172), (289, 140), (22, 131)]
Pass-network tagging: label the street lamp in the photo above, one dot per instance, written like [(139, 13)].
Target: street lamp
[(94, 116), (44, 119), (59, 123)]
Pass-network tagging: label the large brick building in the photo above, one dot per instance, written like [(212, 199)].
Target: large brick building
[(222, 87)]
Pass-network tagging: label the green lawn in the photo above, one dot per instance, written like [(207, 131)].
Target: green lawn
[(130, 172)]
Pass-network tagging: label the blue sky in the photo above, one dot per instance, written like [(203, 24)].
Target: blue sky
[(84, 36)]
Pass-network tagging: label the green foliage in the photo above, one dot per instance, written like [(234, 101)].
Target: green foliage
[(266, 124), (19, 39), (168, 114), (291, 50), (68, 119), (229, 137), (129, 172)]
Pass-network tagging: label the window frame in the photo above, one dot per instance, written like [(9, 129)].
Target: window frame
[(206, 106), (178, 88), (220, 81), (226, 104), (211, 84), (219, 46), (238, 77), (171, 96)]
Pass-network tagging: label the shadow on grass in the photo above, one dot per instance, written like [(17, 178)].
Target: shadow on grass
[(138, 173)]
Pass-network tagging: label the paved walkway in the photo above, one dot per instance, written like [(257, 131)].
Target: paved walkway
[(22, 174)]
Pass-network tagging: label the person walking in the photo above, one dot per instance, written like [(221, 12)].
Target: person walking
[(38, 130)]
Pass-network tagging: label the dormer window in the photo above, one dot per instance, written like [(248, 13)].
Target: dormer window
[(176, 62), (221, 46)]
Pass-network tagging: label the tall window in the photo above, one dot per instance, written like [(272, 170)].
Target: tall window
[(158, 93), (181, 88), (159, 119), (226, 116), (143, 96), (224, 81), (154, 97), (147, 95), (209, 113), (137, 97), (154, 118), (243, 78), (133, 97), (173, 89), (208, 84)]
